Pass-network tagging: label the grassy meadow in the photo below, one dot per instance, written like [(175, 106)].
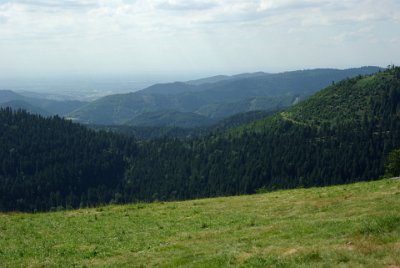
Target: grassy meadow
[(354, 225)]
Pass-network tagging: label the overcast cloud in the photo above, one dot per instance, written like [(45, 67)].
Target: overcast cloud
[(192, 36)]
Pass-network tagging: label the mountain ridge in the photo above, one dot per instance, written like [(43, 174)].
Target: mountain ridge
[(284, 87)]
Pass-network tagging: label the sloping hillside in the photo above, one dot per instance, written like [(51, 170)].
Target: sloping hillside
[(370, 99), (355, 225)]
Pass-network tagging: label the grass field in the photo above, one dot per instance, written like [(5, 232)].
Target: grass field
[(354, 225)]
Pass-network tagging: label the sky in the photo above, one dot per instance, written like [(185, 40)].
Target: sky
[(194, 38)]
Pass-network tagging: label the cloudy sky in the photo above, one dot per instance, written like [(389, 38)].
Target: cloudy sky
[(44, 37)]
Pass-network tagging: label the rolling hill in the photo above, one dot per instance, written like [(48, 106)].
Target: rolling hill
[(170, 119), (173, 129), (215, 97), (8, 95), (23, 105), (39, 106)]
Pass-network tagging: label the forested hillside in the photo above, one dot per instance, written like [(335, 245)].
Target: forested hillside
[(358, 100), (342, 134), (50, 162), (310, 144)]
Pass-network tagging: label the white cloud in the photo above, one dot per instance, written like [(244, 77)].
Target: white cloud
[(94, 15), (149, 33), (363, 34), (180, 5), (288, 4)]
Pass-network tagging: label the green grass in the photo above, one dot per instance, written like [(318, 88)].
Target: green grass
[(342, 226)]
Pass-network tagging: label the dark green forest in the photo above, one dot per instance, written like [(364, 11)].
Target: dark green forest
[(340, 135), (51, 162)]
